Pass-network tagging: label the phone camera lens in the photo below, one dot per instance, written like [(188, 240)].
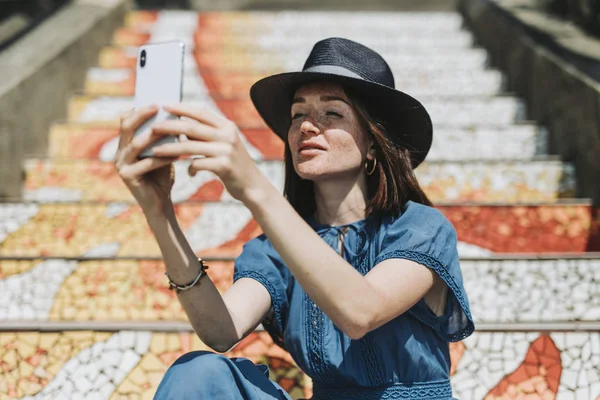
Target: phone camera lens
[(143, 58)]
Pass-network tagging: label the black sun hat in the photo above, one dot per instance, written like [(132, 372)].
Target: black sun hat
[(358, 67)]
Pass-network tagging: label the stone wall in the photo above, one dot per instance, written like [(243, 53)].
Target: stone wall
[(40, 71), (549, 77)]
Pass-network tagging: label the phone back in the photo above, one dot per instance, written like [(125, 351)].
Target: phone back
[(159, 80)]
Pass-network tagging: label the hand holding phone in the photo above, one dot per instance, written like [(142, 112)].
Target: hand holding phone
[(159, 81)]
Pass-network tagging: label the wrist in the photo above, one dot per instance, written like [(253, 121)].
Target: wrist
[(158, 213), (259, 197)]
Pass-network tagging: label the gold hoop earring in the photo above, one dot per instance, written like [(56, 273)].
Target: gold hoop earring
[(372, 170)]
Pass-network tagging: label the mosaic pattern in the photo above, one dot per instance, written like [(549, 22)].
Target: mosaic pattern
[(533, 290), (111, 290), (456, 112), (528, 365), (100, 140), (99, 365), (500, 291), (492, 182), (121, 82), (69, 230), (520, 142)]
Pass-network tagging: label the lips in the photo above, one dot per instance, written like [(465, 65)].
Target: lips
[(310, 146)]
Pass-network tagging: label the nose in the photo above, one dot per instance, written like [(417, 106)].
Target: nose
[(308, 127)]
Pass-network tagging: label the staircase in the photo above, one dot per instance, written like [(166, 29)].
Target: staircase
[(84, 307)]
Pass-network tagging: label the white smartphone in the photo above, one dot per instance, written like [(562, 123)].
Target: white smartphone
[(158, 80)]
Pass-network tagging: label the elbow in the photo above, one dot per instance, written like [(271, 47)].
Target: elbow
[(357, 328), (221, 347)]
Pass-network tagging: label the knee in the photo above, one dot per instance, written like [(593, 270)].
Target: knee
[(193, 374), (198, 363)]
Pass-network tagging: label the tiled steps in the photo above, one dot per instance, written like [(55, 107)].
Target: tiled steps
[(453, 111), (72, 140), (537, 333), (501, 290), (120, 230), (461, 181), (121, 82), (131, 363)]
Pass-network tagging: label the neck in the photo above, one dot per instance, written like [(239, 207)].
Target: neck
[(340, 202)]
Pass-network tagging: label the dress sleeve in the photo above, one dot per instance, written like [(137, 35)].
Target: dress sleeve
[(425, 236), (260, 261)]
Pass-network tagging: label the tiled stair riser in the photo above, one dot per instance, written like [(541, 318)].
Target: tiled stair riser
[(492, 182), (91, 364), (500, 291), (461, 112), (99, 230), (521, 142), (121, 82)]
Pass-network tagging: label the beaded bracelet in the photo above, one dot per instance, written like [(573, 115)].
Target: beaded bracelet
[(178, 288)]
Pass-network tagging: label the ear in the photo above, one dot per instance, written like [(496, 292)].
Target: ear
[(371, 150)]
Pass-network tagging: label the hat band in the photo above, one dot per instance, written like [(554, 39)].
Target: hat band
[(333, 69)]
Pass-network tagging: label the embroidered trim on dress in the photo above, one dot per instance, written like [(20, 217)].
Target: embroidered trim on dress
[(314, 340), (436, 265), (436, 390)]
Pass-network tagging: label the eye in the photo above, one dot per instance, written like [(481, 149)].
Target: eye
[(334, 114), (297, 115)]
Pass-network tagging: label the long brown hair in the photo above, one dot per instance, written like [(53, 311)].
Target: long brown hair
[(390, 187)]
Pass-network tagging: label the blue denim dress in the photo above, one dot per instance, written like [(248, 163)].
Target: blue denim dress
[(407, 358)]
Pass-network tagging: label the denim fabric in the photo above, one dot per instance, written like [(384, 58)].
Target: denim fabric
[(205, 375), (406, 358)]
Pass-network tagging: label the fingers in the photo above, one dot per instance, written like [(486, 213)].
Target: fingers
[(132, 172), (191, 129), (191, 147), (213, 164), (131, 120), (200, 114)]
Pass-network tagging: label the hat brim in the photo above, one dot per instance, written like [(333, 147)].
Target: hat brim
[(406, 120)]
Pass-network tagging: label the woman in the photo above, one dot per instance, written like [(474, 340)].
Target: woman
[(356, 275)]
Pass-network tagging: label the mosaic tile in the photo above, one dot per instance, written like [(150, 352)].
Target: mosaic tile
[(40, 364), (121, 81), (68, 230), (500, 291), (463, 112), (518, 142), (487, 365), (107, 109), (14, 216), (484, 182), (533, 290), (268, 21), (237, 85), (100, 141), (522, 365)]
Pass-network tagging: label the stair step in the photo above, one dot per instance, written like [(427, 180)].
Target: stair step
[(135, 362), (121, 82), (125, 57), (220, 229), (480, 181), (517, 290), (449, 111), (516, 142), (260, 22)]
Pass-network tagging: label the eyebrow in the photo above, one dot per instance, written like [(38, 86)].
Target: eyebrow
[(322, 98)]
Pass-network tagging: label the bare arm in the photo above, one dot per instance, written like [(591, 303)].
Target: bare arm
[(388, 290), (219, 321)]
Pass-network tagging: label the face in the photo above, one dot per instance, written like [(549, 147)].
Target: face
[(326, 138)]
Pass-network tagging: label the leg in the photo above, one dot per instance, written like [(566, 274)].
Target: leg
[(205, 375)]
